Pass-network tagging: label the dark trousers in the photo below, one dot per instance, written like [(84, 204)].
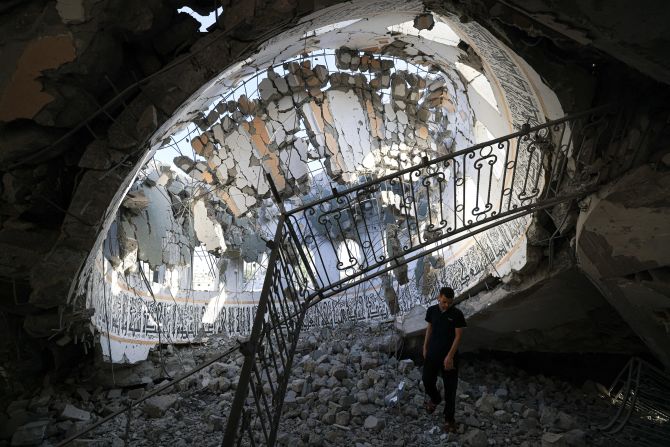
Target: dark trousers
[(431, 369)]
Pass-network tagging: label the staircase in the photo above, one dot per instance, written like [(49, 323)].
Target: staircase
[(335, 243)]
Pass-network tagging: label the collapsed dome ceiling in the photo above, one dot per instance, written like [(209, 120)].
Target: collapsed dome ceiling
[(337, 104), (322, 107)]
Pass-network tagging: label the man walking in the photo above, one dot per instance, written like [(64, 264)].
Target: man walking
[(440, 351)]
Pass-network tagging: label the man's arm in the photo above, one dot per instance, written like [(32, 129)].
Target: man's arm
[(429, 331), (449, 359)]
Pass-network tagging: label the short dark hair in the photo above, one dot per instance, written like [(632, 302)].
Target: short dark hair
[(448, 292)]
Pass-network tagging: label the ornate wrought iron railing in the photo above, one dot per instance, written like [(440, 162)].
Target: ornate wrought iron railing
[(641, 393), (327, 246)]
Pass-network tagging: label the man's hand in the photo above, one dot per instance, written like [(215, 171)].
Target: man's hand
[(448, 362), (425, 352)]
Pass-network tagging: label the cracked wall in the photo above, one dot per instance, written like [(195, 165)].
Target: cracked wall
[(65, 164), (371, 115), (164, 272)]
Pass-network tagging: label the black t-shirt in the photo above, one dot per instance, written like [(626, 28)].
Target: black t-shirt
[(444, 330)]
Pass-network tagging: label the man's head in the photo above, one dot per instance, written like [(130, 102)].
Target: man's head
[(445, 298)]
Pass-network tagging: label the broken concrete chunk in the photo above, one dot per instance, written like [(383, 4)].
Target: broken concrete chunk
[(184, 163), (295, 81), (475, 438), (198, 143), (355, 63), (343, 58), (554, 440), (30, 434), (135, 200), (267, 90), (399, 88), (72, 413), (292, 67), (247, 106), (227, 124), (207, 229), (321, 72), (175, 187), (402, 117), (282, 86), (387, 65), (424, 21), (156, 406)]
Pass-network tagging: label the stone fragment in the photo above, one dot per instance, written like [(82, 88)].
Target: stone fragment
[(290, 398), (321, 72), (548, 416), (339, 372), (528, 424), (135, 200), (488, 403), (373, 423), (342, 418), (472, 421), (30, 434), (402, 117), (216, 422), (267, 90), (328, 418), (247, 106), (72, 413), (554, 440), (343, 59), (475, 438), (156, 406), (295, 82), (282, 85)]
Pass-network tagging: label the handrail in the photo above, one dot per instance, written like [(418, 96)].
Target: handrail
[(452, 155), (533, 178)]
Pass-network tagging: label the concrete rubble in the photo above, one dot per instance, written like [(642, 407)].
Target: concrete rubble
[(346, 122), (335, 397)]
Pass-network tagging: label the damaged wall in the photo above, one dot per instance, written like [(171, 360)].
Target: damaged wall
[(142, 288), (70, 158), (622, 245)]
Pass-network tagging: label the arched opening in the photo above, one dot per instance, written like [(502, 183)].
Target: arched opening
[(347, 102)]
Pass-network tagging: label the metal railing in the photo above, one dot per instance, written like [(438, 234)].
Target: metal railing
[(327, 246), (641, 393)]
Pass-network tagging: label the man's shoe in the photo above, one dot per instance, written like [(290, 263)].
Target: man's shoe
[(450, 426), (429, 406)]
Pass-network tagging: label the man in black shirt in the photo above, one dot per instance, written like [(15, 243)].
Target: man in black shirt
[(440, 351)]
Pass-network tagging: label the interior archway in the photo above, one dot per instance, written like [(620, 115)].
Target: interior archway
[(328, 104)]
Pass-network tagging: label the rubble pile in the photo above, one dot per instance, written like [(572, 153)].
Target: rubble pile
[(347, 388)]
